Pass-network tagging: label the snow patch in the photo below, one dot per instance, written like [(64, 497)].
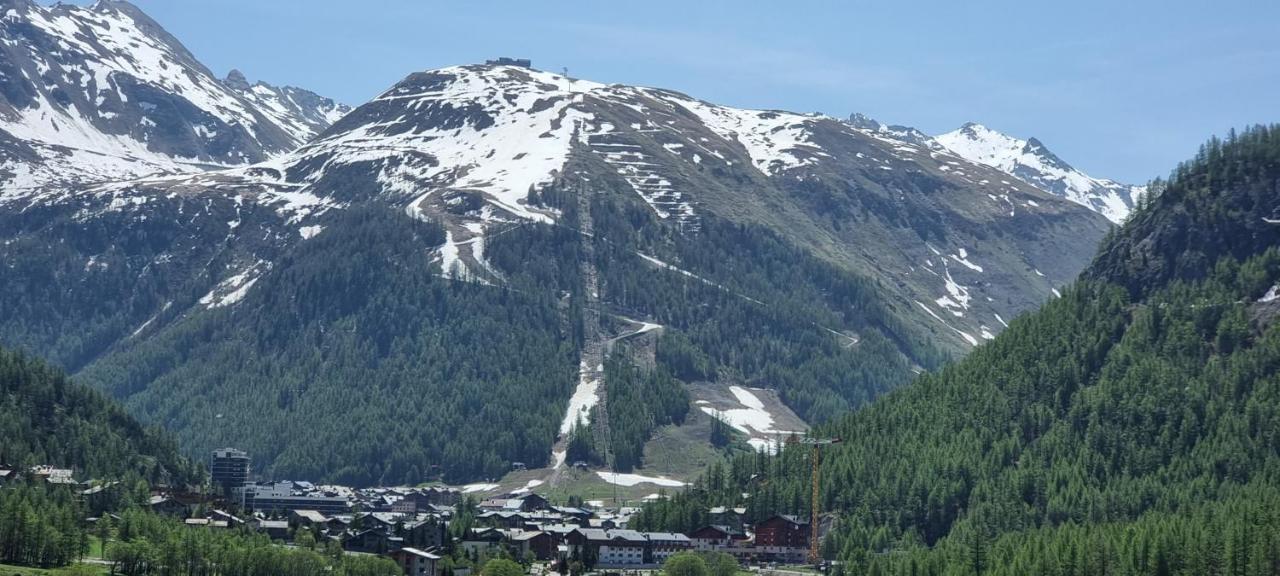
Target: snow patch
[(628, 480)]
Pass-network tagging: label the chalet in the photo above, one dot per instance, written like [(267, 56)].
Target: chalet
[(602, 523), (384, 522), (274, 529), (384, 503), (416, 562), (714, 537), (542, 545), (206, 523), (307, 519), (483, 540), (222, 516), (734, 518), (577, 516), (372, 541), (338, 524), (425, 534), (167, 506), (782, 537), (6, 475), (532, 502), (501, 519), (523, 503), (438, 510)]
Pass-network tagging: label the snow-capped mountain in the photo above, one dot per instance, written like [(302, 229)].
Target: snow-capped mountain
[(104, 93), (473, 147), (302, 113), (1030, 161), (546, 209)]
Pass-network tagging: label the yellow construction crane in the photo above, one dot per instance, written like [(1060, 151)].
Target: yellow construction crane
[(816, 504)]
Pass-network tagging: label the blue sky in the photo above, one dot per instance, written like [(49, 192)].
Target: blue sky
[(1121, 89)]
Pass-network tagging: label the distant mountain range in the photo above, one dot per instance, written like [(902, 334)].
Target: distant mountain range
[(245, 264)]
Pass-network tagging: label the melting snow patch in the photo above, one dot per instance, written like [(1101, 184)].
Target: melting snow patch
[(967, 337), (618, 479), (583, 400), (957, 298), (752, 419), (963, 258), (472, 488), (232, 289), (770, 138)]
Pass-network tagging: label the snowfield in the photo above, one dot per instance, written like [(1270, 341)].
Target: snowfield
[(481, 487), (583, 400), (1030, 161), (751, 418), (636, 479)]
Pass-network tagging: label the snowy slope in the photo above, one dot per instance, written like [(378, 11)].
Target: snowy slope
[(103, 92), (474, 148), (302, 113), (1030, 161)]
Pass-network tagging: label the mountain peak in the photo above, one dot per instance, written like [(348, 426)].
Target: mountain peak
[(97, 108), (1031, 161), (860, 120), (237, 80)]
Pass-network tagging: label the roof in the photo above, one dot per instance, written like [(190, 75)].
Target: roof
[(418, 553), (310, 515), (423, 522), (787, 518), (623, 535), (526, 535), (716, 527), (273, 524), (666, 537)]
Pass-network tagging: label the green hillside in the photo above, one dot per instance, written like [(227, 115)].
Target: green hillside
[(1130, 427), (47, 419)]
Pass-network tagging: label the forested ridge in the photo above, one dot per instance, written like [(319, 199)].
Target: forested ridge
[(46, 419), (1130, 427), (353, 359)]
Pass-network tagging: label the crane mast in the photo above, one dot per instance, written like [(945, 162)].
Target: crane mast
[(815, 505)]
